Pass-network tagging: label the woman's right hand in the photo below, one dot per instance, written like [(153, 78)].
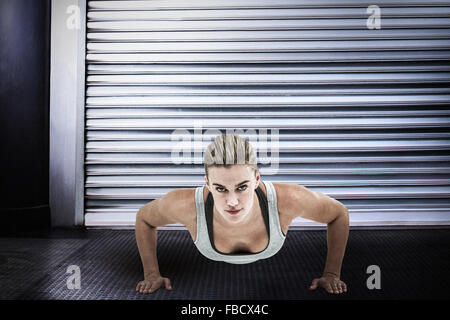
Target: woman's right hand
[(152, 283)]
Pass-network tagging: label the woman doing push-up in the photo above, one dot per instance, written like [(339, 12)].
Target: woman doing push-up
[(238, 218)]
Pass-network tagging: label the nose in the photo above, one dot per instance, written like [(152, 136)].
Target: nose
[(232, 200)]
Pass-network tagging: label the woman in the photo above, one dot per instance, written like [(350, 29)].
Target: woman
[(238, 218)]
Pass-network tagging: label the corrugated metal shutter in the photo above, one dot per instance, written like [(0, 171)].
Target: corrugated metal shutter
[(362, 114)]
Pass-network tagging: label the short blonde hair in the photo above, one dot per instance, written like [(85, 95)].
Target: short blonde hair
[(229, 149)]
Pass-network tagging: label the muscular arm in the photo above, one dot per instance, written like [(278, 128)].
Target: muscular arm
[(337, 235), (321, 208), (156, 213), (146, 239)]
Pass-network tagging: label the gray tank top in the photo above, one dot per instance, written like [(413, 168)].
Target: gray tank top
[(276, 236)]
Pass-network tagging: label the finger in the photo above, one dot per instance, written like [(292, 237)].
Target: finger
[(335, 288), (329, 288), (147, 287), (141, 287), (156, 285), (314, 284), (153, 288), (338, 288), (167, 284)]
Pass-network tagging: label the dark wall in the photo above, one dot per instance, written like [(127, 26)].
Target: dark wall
[(24, 114)]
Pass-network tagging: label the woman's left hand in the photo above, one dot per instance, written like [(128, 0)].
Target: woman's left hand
[(331, 284)]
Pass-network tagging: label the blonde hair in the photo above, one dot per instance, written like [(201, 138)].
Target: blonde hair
[(229, 149)]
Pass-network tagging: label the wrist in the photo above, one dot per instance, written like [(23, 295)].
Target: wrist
[(333, 274), (150, 275)]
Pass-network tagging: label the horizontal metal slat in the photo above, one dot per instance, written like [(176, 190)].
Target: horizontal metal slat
[(237, 4), (384, 170), (393, 204), (286, 24), (290, 13), (264, 35), (267, 79), (272, 145), (278, 123), (384, 192), (164, 158), (268, 100), (355, 209), (149, 135), (293, 90), (119, 113), (390, 218), (268, 57), (127, 221), (273, 46), (303, 68)]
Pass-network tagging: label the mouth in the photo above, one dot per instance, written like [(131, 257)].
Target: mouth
[(233, 211)]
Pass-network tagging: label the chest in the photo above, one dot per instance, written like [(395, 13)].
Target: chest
[(250, 240)]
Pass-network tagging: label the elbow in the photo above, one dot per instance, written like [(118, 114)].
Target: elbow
[(346, 216), (342, 217), (144, 217), (139, 217)]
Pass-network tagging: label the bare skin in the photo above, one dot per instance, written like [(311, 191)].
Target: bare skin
[(234, 189)]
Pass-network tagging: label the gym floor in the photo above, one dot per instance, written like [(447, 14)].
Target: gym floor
[(414, 264)]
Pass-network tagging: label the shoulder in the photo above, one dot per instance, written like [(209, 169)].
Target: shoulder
[(179, 196), (295, 200), (288, 194), (292, 198), (288, 191), (180, 203)]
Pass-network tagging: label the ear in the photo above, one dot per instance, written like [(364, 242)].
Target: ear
[(258, 178), (206, 182)]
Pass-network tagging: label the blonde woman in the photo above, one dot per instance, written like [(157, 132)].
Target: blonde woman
[(238, 218)]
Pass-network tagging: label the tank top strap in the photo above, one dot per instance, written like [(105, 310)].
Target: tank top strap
[(274, 220), (200, 212)]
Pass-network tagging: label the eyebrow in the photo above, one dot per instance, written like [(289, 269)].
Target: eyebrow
[(217, 184)]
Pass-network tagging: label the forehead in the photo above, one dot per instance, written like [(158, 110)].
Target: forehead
[(230, 175)]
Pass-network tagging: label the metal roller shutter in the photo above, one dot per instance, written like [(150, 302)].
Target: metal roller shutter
[(362, 114)]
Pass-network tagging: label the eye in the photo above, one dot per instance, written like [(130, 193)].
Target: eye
[(220, 189), (242, 188)]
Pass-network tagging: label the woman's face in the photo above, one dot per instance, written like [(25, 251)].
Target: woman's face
[(233, 190)]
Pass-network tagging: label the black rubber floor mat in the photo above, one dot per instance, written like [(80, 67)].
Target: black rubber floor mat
[(413, 264)]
